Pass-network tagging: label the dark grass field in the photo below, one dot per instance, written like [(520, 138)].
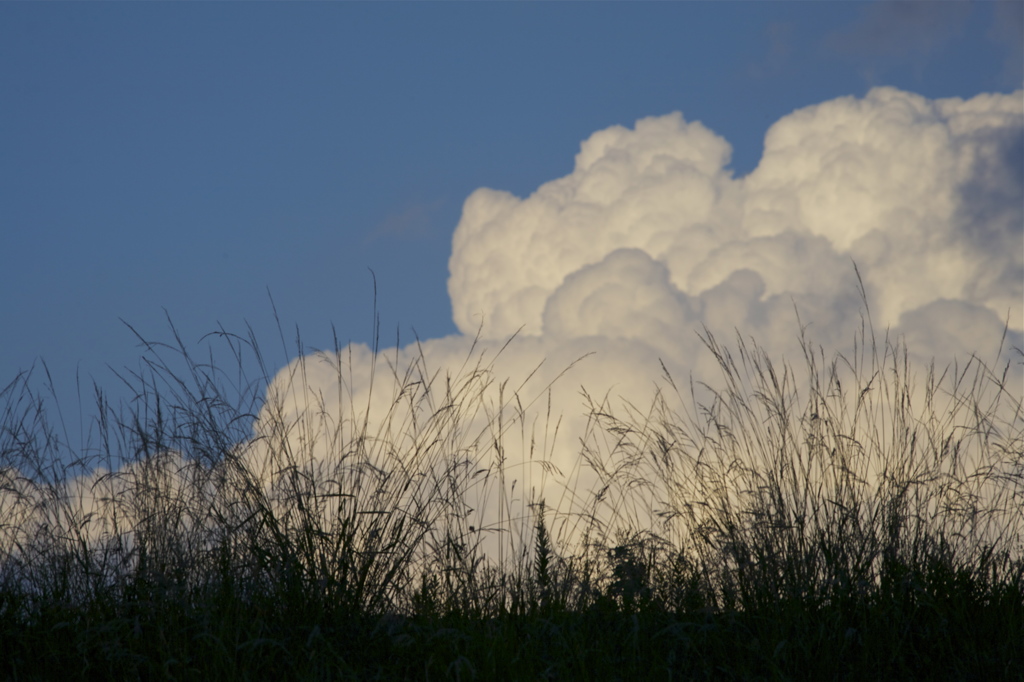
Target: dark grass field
[(845, 522)]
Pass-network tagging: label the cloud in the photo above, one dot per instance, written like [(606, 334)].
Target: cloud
[(650, 239), (1007, 29), (896, 30), (647, 241), (924, 195), (412, 222), (908, 188), (779, 36), (659, 188)]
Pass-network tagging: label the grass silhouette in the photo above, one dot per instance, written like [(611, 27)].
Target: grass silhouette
[(841, 522)]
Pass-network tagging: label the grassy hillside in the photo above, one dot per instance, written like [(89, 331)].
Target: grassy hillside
[(851, 520)]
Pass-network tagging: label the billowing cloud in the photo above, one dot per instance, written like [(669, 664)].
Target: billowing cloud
[(651, 239), (925, 196), (649, 188)]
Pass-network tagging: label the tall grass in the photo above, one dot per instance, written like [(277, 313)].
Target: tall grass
[(849, 520)]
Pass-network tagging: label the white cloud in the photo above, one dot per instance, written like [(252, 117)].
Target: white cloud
[(891, 181), (649, 239), (644, 188)]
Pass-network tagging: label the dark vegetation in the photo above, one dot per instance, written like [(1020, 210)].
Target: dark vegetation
[(848, 522)]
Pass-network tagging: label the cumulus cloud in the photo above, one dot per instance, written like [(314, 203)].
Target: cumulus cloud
[(647, 188), (649, 240), (924, 195)]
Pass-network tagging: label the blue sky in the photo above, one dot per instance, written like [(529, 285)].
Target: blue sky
[(188, 158)]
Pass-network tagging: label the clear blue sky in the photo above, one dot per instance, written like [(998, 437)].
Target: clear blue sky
[(189, 157)]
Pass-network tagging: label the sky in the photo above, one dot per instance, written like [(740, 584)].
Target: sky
[(600, 178)]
